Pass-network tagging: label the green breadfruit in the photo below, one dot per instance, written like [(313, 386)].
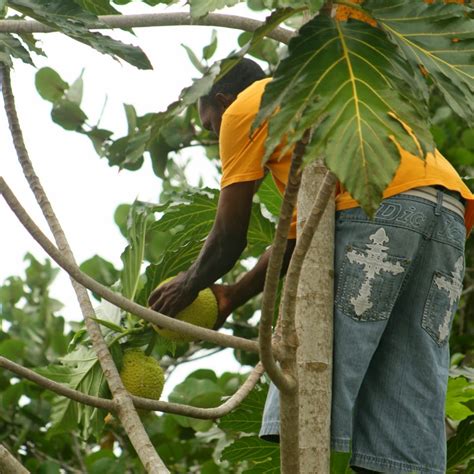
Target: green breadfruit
[(201, 312), (142, 374)]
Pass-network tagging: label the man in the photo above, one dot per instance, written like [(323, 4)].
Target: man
[(398, 281)]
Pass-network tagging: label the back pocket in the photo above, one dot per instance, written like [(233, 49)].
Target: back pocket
[(370, 280), (443, 297)]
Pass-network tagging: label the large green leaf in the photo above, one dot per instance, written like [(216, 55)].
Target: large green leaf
[(460, 391), (138, 218), (81, 371), (189, 219), (270, 196), (264, 455), (69, 18), (437, 37), (349, 84), (247, 417), (461, 446)]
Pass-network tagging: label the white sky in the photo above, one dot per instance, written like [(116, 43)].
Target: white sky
[(82, 188)]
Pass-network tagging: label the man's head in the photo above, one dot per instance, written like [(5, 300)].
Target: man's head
[(212, 106)]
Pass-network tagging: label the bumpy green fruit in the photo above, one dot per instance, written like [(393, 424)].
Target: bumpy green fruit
[(142, 374), (201, 312)]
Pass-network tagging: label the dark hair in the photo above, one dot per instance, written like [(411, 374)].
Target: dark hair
[(244, 73)]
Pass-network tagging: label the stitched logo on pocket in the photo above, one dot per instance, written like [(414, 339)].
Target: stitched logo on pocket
[(374, 261)]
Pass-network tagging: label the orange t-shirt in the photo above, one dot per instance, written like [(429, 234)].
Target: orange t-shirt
[(241, 157)]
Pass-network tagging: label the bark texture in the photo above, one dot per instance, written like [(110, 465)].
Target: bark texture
[(9, 464), (155, 19), (314, 321)]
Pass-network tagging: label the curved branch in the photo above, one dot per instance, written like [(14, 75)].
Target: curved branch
[(139, 402), (114, 298), (281, 380), (301, 249), (124, 405), (9, 464), (155, 19)]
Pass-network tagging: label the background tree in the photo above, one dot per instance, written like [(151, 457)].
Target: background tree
[(168, 235)]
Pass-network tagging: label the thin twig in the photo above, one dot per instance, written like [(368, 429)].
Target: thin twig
[(283, 381), (139, 402), (114, 298), (155, 19), (123, 403)]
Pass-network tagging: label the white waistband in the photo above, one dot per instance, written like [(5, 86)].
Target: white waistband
[(431, 194)]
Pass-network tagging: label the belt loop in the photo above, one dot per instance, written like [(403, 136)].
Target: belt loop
[(439, 203)]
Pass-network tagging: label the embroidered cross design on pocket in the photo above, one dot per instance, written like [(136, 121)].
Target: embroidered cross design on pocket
[(374, 261), (453, 288), (441, 303)]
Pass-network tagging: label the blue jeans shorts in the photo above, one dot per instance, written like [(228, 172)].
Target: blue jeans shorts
[(397, 285)]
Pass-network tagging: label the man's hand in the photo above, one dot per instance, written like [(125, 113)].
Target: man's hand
[(225, 302), (172, 297)]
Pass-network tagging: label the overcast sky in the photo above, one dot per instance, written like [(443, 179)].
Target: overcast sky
[(82, 188)]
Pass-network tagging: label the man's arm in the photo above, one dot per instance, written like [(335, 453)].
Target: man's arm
[(230, 297), (223, 247)]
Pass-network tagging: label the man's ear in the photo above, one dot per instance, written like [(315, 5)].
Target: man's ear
[(224, 100)]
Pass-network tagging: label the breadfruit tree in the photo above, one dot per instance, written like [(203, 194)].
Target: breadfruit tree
[(349, 77)]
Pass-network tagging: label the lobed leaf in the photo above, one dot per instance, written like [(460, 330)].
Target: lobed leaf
[(247, 417), (254, 449), (438, 41), (460, 391), (348, 83), (461, 446), (132, 257)]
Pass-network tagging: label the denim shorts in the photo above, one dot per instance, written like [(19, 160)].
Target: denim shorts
[(397, 285)]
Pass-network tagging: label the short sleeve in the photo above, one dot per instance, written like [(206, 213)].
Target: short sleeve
[(241, 155)]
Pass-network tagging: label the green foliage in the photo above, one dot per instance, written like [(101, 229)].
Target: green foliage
[(355, 106), (247, 417), (270, 196), (438, 38), (81, 371), (460, 392), (461, 446), (138, 219), (188, 218), (201, 8), (11, 47), (263, 455), (101, 270), (71, 19)]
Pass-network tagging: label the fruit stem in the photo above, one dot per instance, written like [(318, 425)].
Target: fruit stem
[(151, 344)]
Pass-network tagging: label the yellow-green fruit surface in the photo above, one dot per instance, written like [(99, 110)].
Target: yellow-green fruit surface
[(201, 312), (142, 374)]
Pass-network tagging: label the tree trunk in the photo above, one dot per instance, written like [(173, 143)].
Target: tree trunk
[(314, 320)]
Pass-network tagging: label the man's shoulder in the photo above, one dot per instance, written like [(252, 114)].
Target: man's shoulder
[(248, 101)]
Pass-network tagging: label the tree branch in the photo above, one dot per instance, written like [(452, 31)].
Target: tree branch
[(9, 464), (124, 405), (302, 245), (139, 402), (114, 298), (283, 381), (155, 19)]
